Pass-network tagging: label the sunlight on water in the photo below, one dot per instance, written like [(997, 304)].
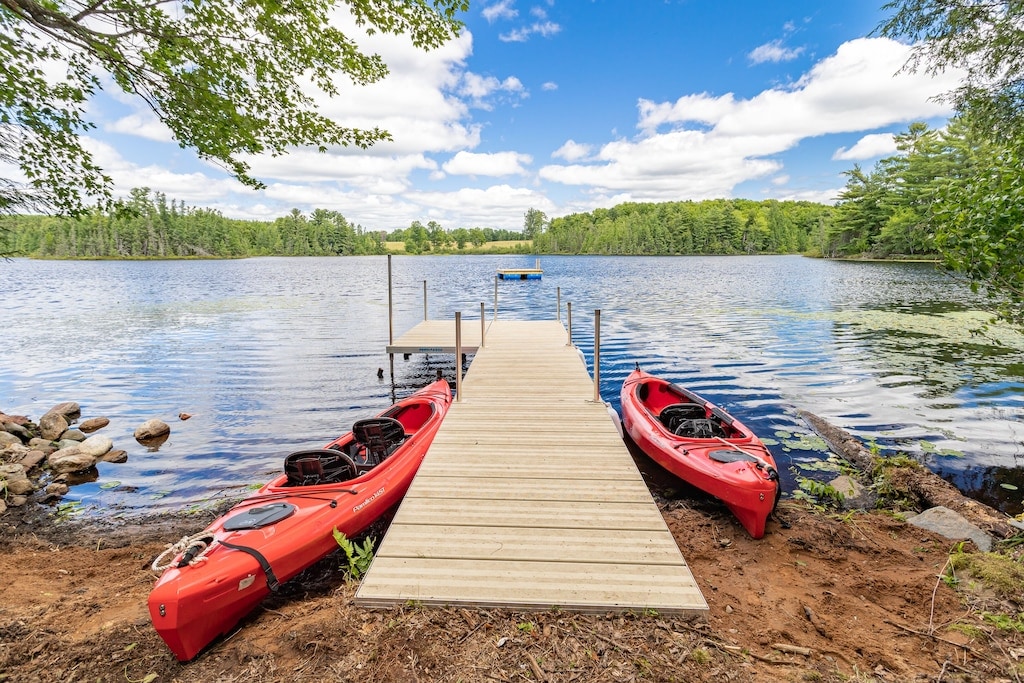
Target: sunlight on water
[(275, 354)]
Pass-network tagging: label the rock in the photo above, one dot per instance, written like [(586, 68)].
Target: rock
[(3, 506), (16, 501), (93, 423), (57, 489), (8, 439), (115, 456), (52, 425), (32, 459), (184, 416), (16, 419), (66, 443), (947, 523), (96, 445), (151, 430), (70, 460), (14, 452), (15, 481), (68, 409), (856, 496), (44, 445), (18, 430), (73, 435)]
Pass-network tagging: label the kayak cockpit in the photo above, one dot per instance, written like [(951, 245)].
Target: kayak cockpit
[(371, 442)]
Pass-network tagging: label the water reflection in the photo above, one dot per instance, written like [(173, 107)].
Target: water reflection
[(274, 354)]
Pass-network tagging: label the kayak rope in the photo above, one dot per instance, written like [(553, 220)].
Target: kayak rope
[(192, 548)]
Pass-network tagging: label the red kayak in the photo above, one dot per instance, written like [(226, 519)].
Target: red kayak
[(702, 444), (218, 576)]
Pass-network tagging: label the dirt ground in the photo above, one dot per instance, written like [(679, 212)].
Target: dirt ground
[(820, 598)]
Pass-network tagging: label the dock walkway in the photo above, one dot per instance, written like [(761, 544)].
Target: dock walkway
[(528, 497)]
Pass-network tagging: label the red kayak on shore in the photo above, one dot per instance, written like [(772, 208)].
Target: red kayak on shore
[(702, 444), (219, 575)]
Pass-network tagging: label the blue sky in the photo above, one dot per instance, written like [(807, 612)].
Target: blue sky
[(569, 106)]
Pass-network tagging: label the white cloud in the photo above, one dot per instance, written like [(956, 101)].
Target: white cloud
[(545, 29), (143, 124), (572, 151), (549, 85), (702, 146), (497, 206), (868, 147), (496, 164), (499, 10), (479, 88), (774, 51)]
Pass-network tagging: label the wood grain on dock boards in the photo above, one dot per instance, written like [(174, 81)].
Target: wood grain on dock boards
[(529, 499)]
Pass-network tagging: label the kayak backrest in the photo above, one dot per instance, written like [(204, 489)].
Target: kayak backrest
[(316, 466), (380, 435)]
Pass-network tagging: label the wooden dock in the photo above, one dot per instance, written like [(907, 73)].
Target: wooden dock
[(528, 498), (534, 273)]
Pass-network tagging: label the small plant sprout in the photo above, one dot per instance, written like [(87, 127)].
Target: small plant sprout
[(358, 556)]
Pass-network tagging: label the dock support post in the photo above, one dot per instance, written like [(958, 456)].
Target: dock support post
[(424, 299), (568, 309), (458, 355), (597, 355), (391, 324), (558, 303), (495, 297), (482, 327)]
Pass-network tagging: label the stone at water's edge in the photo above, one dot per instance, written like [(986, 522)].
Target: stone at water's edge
[(70, 460), (14, 480), (151, 430), (856, 496), (52, 425), (73, 435), (8, 439), (69, 409), (18, 430), (93, 423), (948, 523), (96, 445), (116, 456)]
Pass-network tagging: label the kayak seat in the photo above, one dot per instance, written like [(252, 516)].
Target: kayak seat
[(380, 436), (672, 415), (699, 429), (318, 466), (690, 420)]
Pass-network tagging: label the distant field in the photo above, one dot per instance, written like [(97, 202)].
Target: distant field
[(502, 244)]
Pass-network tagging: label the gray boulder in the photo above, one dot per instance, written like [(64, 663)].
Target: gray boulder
[(8, 439), (856, 496), (948, 523), (96, 445)]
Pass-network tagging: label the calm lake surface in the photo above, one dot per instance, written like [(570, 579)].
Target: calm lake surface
[(271, 355)]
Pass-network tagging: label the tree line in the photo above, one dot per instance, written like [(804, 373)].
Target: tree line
[(147, 225), (717, 226)]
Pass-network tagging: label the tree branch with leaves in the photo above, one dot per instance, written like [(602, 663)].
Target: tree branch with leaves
[(228, 78)]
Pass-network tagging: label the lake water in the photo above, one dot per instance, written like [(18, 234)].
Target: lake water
[(271, 355)]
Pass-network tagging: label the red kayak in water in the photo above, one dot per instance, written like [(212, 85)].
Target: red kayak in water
[(219, 575), (703, 445)]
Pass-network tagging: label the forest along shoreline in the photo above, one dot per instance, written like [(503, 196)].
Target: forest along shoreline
[(831, 593)]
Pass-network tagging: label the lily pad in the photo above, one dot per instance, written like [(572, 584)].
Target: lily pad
[(110, 485)]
